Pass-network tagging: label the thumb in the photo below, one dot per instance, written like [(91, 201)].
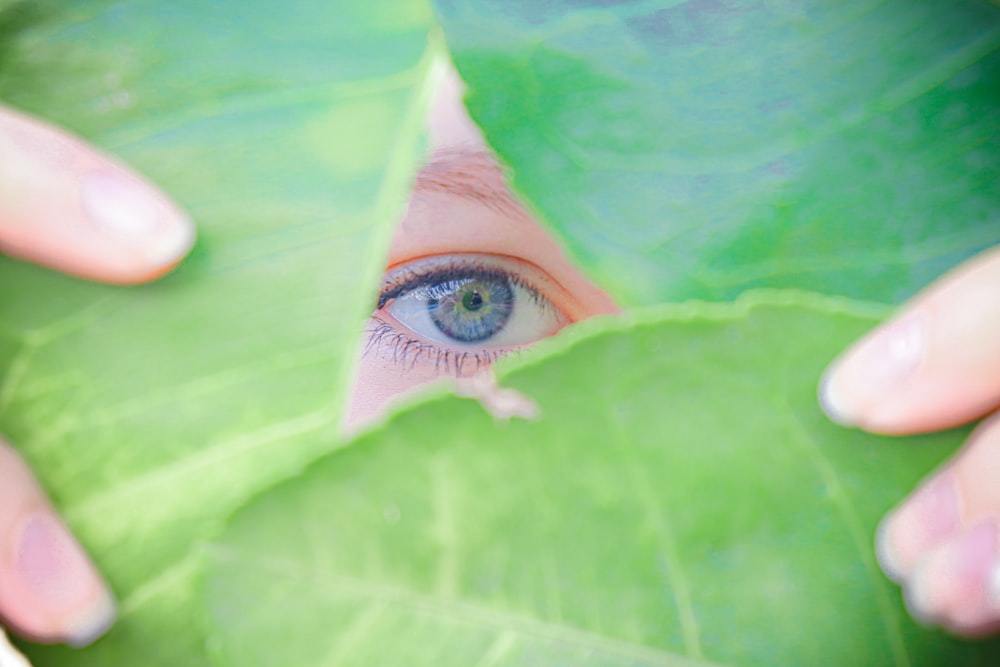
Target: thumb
[(934, 366), (49, 589), (64, 205)]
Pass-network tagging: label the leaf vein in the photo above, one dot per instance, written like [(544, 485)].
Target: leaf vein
[(465, 611), (855, 528), (667, 545)]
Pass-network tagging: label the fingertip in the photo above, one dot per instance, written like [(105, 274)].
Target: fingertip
[(885, 551), (155, 274), (860, 387), (950, 586), (942, 544), (833, 401), (170, 249), (94, 623), (137, 218), (157, 257), (51, 589), (920, 604), (930, 516), (936, 365), (69, 207)]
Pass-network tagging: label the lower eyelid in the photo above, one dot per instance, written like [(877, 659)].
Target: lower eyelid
[(389, 343)]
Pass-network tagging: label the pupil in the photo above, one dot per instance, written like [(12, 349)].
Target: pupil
[(472, 301)]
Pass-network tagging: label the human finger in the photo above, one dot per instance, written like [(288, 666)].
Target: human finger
[(934, 366), (49, 589), (943, 543), (67, 206)]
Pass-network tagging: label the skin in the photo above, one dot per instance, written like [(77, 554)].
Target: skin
[(935, 365), (67, 206)]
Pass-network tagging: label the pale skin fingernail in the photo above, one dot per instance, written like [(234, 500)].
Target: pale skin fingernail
[(855, 383), (922, 522), (55, 570), (125, 208), (950, 586)]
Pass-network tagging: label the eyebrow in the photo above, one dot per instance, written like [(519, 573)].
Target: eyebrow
[(470, 173)]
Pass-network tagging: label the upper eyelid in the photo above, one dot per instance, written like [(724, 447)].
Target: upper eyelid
[(419, 282), (404, 284), (464, 263), (469, 173)]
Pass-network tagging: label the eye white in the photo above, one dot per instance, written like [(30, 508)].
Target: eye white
[(532, 317)]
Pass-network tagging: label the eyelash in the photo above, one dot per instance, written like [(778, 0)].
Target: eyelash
[(406, 350), (415, 279)]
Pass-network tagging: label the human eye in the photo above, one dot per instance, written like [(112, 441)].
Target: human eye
[(472, 277), (460, 312)]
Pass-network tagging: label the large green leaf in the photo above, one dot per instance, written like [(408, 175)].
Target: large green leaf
[(290, 131), (682, 500), (694, 148), (606, 533)]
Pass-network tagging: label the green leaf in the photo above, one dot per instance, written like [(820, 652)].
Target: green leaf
[(681, 501), (152, 412), (693, 148)]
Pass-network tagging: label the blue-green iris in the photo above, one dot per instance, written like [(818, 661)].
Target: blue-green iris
[(471, 310)]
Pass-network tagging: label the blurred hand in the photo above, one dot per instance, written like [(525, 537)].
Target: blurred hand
[(65, 205), (934, 366)]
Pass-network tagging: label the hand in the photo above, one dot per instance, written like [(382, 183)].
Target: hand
[(934, 366), (64, 205)]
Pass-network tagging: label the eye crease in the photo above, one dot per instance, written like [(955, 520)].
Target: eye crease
[(457, 310)]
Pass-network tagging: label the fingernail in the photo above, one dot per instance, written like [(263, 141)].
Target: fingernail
[(128, 209), (876, 366), (54, 568), (962, 574), (922, 522)]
